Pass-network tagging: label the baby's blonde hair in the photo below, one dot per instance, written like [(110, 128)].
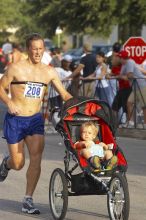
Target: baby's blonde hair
[(91, 124)]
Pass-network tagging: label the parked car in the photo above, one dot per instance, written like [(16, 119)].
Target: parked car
[(48, 44), (103, 48), (75, 53), (78, 52)]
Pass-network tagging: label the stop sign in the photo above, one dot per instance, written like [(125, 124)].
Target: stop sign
[(136, 48)]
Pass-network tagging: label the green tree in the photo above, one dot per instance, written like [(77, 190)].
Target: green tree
[(28, 21), (90, 16), (17, 14), (74, 16), (130, 17), (9, 14)]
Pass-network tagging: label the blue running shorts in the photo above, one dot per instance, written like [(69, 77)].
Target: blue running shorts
[(16, 128)]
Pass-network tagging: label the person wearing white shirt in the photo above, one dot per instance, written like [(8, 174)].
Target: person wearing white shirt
[(63, 72), (102, 88)]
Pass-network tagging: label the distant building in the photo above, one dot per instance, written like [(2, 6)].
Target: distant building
[(101, 40)]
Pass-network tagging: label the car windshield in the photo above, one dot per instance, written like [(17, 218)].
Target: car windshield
[(103, 48), (75, 52)]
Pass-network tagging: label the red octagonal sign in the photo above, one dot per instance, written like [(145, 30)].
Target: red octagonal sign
[(136, 48)]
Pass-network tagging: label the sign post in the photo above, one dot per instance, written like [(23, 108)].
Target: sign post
[(136, 48), (58, 33)]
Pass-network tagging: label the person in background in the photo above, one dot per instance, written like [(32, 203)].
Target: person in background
[(7, 47), (46, 58), (56, 57), (142, 68), (3, 62), (63, 73), (130, 71), (124, 88), (102, 89), (7, 52), (113, 63), (17, 53), (88, 65)]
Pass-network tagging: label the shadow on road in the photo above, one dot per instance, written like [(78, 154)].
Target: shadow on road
[(12, 206), (15, 207), (87, 213)]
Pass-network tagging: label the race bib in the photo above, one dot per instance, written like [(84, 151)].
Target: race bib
[(33, 90)]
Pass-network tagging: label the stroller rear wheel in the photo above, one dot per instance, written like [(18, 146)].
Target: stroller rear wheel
[(58, 194), (118, 198)]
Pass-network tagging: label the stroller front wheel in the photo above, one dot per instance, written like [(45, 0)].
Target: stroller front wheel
[(58, 194), (118, 198)]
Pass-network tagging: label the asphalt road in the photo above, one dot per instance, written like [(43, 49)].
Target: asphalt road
[(82, 207)]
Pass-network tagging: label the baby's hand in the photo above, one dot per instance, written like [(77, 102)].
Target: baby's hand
[(79, 145), (110, 146), (105, 146), (89, 143)]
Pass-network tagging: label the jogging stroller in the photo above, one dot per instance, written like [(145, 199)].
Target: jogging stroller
[(112, 183)]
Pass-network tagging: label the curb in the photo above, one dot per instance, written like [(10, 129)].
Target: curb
[(131, 132)]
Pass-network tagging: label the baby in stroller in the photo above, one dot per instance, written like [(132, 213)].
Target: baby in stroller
[(83, 121), (97, 153)]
